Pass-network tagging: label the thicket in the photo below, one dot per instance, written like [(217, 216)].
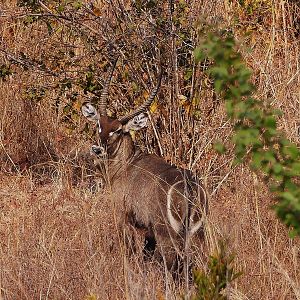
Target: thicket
[(79, 75), (256, 137)]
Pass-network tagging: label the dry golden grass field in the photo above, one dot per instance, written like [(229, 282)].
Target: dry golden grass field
[(58, 225)]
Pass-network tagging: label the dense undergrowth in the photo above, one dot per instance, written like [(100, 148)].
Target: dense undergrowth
[(57, 226)]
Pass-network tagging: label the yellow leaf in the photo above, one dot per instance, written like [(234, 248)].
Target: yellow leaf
[(182, 99), (132, 133), (77, 105), (153, 106), (207, 82), (109, 113), (160, 295), (68, 131), (195, 101), (91, 297), (97, 11), (145, 94), (197, 114)]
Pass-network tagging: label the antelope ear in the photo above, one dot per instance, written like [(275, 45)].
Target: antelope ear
[(136, 123), (90, 112)]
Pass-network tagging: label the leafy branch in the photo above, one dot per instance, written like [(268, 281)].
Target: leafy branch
[(256, 138), (220, 274)]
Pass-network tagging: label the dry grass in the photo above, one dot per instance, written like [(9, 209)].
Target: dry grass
[(62, 243), (58, 233)]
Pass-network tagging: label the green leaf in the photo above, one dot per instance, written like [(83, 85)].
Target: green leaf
[(270, 122), (219, 72), (77, 4), (269, 133), (257, 159), (241, 109), (229, 108), (247, 136), (218, 83), (246, 89), (290, 197), (256, 116), (188, 74), (60, 8), (277, 168), (293, 233), (234, 92), (292, 151), (219, 147), (199, 55), (293, 170), (244, 74), (296, 168), (277, 112)]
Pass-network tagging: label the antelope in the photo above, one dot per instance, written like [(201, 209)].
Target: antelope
[(165, 202)]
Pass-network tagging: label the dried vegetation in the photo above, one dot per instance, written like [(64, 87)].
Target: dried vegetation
[(58, 233)]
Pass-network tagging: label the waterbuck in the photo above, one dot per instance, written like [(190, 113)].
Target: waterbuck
[(165, 203)]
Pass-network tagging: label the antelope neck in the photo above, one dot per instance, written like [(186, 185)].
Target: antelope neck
[(119, 159)]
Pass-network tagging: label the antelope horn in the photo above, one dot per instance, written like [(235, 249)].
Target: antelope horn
[(104, 94), (176, 225), (145, 105)]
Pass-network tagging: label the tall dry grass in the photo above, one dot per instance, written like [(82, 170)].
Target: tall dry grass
[(58, 231)]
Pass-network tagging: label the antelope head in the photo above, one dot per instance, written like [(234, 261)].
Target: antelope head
[(114, 133)]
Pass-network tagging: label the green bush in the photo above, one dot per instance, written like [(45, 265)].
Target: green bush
[(256, 137), (221, 272)]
